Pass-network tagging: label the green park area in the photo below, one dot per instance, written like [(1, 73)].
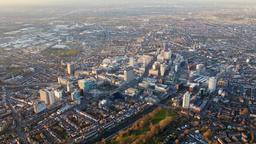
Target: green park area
[(14, 70), (146, 128)]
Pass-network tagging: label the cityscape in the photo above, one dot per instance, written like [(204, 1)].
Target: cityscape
[(128, 72)]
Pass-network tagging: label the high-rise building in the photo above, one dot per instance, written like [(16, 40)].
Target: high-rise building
[(86, 85), (176, 68), (160, 57), (70, 69), (212, 84), (81, 84), (70, 86), (167, 54), (162, 69), (58, 94), (201, 92), (62, 81), (153, 72), (200, 68), (47, 96), (145, 60), (75, 96), (44, 96), (128, 74), (155, 66), (39, 106), (131, 61), (52, 99), (186, 100)]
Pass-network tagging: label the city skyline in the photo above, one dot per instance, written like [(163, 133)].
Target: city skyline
[(127, 72), (115, 2)]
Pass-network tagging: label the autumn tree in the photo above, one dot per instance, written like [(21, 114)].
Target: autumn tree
[(207, 134), (163, 123)]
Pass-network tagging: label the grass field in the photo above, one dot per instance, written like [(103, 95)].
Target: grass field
[(162, 114), (138, 132), (14, 70)]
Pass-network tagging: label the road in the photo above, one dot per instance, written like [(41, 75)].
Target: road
[(30, 85), (17, 118)]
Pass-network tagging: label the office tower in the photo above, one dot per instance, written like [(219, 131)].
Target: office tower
[(160, 56), (81, 84), (131, 61), (212, 84), (167, 54), (39, 106), (62, 81), (128, 74), (202, 92), (155, 66), (58, 94), (70, 86), (44, 96), (70, 69), (75, 96), (153, 72), (145, 59), (86, 85), (47, 96), (51, 98), (200, 68), (162, 69), (176, 68), (186, 100)]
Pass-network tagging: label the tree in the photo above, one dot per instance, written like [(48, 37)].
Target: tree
[(119, 138), (207, 134), (243, 111), (142, 123), (142, 138), (136, 126), (154, 129), (163, 123), (137, 141)]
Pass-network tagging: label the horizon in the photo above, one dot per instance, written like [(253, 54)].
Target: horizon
[(63, 3), (127, 71)]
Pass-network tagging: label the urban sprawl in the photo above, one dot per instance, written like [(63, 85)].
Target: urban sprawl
[(95, 80)]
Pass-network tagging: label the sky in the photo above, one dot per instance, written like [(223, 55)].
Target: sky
[(106, 2)]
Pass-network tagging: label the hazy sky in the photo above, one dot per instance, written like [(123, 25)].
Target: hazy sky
[(104, 2)]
